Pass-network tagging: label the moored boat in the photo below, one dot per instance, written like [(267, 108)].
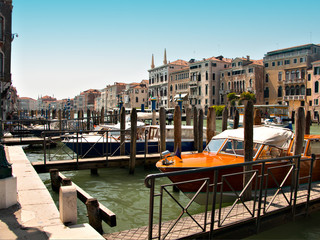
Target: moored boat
[(227, 148)]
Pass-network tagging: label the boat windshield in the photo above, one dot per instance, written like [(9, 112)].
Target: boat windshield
[(214, 145), (234, 147)]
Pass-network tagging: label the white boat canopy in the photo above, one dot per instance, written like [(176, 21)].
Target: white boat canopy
[(268, 135)]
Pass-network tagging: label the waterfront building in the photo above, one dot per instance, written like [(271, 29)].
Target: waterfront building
[(135, 94), (205, 81), (45, 103), (6, 38), (27, 104), (158, 80), (113, 96), (244, 75), (89, 97), (179, 88), (313, 90), (285, 76)]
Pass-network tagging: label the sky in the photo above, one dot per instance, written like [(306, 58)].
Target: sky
[(65, 47)]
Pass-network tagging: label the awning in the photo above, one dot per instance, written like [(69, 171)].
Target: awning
[(182, 95)]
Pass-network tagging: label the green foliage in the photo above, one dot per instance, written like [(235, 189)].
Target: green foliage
[(247, 96), (219, 109), (232, 98)]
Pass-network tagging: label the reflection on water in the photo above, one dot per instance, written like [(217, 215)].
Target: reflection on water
[(127, 196)]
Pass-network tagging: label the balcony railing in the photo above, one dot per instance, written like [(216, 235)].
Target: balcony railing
[(294, 81), (294, 97)]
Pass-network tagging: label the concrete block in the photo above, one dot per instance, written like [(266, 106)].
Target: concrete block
[(68, 204), (8, 192)]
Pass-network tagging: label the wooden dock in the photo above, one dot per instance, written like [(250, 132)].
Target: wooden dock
[(26, 140), (92, 163), (239, 224)]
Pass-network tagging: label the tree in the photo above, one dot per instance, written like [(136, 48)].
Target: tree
[(247, 96)]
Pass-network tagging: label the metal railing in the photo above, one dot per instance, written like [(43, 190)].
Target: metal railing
[(214, 183), (85, 144)]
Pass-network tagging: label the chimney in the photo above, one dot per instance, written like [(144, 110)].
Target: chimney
[(248, 58)]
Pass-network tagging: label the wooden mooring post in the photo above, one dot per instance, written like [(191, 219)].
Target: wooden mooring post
[(211, 124), (200, 131), (122, 130), (93, 211), (188, 116), (162, 116), (308, 122), (177, 128), (132, 161), (195, 128), (248, 146), (236, 119), (257, 117), (224, 118), (55, 181)]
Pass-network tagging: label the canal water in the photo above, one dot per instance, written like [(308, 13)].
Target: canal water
[(127, 196)]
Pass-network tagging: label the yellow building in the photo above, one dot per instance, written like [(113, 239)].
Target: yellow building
[(285, 77)]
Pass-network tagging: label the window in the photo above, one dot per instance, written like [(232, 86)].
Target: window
[(206, 75), (286, 62), (213, 76), (206, 89), (199, 91), (310, 103), (287, 90), (280, 76), (297, 90), (303, 90), (267, 77), (316, 71), (303, 59), (273, 64), (316, 86), (1, 28), (137, 99), (309, 77), (250, 70), (295, 60), (280, 91), (239, 63), (213, 64), (233, 64), (279, 63), (266, 65), (213, 90), (266, 92), (316, 102), (308, 91)]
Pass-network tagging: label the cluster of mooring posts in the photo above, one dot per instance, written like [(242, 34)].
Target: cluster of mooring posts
[(298, 201)]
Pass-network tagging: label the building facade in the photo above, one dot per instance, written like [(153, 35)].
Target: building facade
[(159, 79), (6, 38), (285, 77), (244, 75), (313, 90), (113, 95), (135, 95), (205, 81)]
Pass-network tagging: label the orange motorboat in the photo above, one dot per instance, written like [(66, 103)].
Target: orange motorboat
[(227, 148)]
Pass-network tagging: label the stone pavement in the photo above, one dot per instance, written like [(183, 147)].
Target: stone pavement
[(36, 215)]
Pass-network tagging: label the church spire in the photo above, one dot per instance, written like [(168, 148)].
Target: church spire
[(152, 62), (165, 57)]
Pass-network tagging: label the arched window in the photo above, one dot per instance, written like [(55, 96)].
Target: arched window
[(297, 90), (303, 90), (206, 75), (287, 90), (280, 91), (292, 90), (250, 83), (316, 86), (266, 92), (222, 86)]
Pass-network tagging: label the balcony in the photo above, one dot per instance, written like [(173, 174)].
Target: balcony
[(294, 81), (193, 96), (294, 97), (193, 84)]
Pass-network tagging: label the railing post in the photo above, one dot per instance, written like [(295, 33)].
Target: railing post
[(313, 157), (77, 147), (107, 147), (214, 197), (151, 204), (260, 198), (44, 149), (296, 184)]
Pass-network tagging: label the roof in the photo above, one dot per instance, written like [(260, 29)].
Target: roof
[(269, 135), (179, 62), (305, 46)]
